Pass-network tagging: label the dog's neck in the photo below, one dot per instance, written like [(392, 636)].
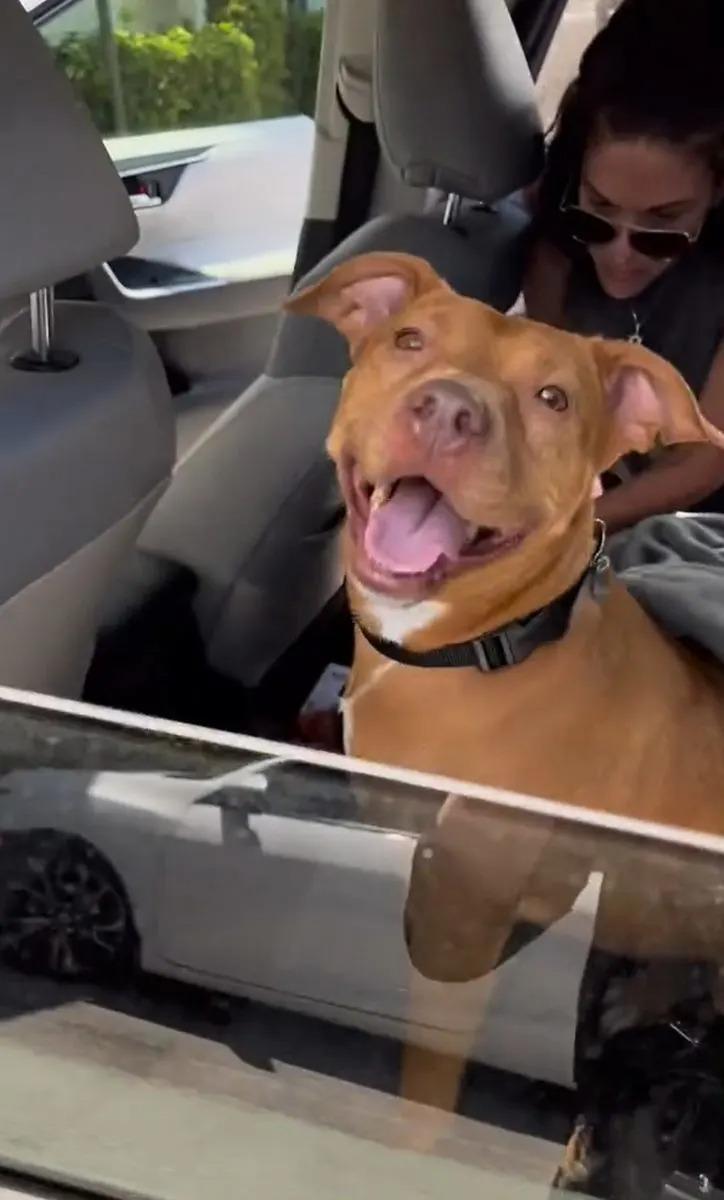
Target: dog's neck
[(511, 645), (427, 625), (513, 728)]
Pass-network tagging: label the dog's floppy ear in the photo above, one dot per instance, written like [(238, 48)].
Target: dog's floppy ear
[(646, 401), (365, 292)]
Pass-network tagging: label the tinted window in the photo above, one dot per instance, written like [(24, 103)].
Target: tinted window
[(145, 66), (227, 970)]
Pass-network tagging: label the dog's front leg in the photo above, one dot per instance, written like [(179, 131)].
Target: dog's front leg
[(469, 878), (443, 1023)]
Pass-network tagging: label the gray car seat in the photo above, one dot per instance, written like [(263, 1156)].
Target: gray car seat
[(86, 420), (253, 510)]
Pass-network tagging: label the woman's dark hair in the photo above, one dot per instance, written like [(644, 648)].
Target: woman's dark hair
[(656, 70)]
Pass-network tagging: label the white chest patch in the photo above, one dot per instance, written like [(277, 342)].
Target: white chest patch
[(395, 621)]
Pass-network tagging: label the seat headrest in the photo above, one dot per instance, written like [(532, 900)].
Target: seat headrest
[(63, 207), (454, 100)]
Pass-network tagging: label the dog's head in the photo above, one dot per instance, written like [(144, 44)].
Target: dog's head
[(469, 444)]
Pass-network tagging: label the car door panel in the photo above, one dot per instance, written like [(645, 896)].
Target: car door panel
[(218, 230)]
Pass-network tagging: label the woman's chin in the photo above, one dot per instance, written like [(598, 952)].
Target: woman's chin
[(622, 284)]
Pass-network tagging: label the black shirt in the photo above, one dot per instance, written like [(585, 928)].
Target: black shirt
[(680, 316)]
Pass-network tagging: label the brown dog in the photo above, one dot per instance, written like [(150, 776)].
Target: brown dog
[(469, 446)]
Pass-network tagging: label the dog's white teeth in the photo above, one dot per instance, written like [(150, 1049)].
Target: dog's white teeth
[(380, 496), (473, 531)]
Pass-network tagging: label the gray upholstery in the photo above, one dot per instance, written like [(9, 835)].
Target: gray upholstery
[(247, 513), (455, 104), (253, 509), (48, 630), (84, 455), (355, 86), (62, 206), (97, 438), (483, 258)]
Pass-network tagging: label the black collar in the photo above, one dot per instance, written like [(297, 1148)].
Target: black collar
[(511, 645)]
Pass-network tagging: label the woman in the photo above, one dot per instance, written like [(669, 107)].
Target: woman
[(630, 244), (630, 226)]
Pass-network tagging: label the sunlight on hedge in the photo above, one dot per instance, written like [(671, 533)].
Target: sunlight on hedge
[(253, 60)]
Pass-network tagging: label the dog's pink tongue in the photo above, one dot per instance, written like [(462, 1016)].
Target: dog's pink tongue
[(413, 529)]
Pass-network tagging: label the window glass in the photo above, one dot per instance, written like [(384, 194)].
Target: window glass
[(145, 66), (232, 968), (580, 21)]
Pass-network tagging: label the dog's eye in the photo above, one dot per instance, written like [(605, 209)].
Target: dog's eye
[(409, 339), (554, 398)]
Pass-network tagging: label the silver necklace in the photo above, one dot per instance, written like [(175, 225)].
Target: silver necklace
[(636, 338)]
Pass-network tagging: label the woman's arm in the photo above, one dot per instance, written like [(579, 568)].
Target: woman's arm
[(545, 283), (683, 476)]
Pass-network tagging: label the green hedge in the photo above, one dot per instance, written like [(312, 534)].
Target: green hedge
[(264, 21), (303, 45), (253, 59)]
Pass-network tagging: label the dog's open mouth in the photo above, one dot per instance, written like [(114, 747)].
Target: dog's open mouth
[(409, 532)]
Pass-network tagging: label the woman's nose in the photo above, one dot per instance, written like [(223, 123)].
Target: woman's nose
[(620, 247)]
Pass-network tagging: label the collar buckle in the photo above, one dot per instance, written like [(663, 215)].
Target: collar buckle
[(493, 651)]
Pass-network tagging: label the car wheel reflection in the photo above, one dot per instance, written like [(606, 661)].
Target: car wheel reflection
[(64, 911)]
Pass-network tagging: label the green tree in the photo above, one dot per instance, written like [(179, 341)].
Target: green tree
[(254, 58), (170, 80), (303, 49), (288, 43), (265, 23)]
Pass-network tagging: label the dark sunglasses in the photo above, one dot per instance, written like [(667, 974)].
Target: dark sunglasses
[(591, 230)]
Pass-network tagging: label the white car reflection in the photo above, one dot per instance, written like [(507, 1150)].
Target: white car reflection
[(297, 912)]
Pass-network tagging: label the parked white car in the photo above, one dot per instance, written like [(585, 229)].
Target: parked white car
[(263, 883)]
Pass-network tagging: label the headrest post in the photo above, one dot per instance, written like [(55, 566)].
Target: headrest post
[(43, 356), (42, 323), (452, 209)]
